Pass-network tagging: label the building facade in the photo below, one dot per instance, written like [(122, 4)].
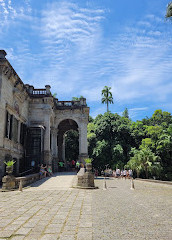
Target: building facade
[(33, 123)]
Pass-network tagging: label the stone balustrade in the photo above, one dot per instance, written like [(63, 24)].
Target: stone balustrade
[(70, 104), (39, 92), (11, 182)]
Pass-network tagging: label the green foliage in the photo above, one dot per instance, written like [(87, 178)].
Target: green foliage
[(147, 143), (138, 132), (71, 145), (125, 113), (154, 132), (107, 96), (101, 154), (91, 137), (109, 139), (144, 160), (144, 146), (77, 98), (118, 156), (10, 163), (161, 118), (90, 119), (88, 160)]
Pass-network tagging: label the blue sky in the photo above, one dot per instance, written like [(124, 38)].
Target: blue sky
[(80, 46)]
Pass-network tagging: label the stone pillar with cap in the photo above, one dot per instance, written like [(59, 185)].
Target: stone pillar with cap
[(83, 145), (48, 87), (31, 88), (2, 54), (47, 151)]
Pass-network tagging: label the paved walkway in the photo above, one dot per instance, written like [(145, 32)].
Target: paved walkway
[(51, 209), (122, 213)]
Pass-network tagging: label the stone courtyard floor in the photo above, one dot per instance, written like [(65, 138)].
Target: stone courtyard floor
[(51, 209)]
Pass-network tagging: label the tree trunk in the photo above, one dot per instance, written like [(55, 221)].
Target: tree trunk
[(146, 171), (138, 174)]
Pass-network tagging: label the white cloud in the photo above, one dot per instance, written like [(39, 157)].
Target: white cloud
[(76, 56), (138, 109), (66, 23), (11, 11)]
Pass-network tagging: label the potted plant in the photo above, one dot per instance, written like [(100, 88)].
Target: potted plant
[(9, 166), (88, 162)]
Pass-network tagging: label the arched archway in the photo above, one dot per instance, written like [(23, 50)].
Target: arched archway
[(63, 127)]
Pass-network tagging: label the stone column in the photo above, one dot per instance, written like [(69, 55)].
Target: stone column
[(47, 151), (83, 145), (54, 141), (57, 153), (54, 149), (63, 149), (60, 144)]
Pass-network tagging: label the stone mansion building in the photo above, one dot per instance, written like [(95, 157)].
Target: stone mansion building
[(33, 123)]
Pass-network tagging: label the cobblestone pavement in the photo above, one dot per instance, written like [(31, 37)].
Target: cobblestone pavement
[(48, 210), (51, 209), (122, 213)]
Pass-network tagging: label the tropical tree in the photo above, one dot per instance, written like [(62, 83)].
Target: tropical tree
[(91, 138), (138, 132), (164, 150), (125, 113), (107, 96), (118, 156), (71, 145), (135, 164), (144, 160), (161, 118), (145, 146), (77, 98), (147, 160)]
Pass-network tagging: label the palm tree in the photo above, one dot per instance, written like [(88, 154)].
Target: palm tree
[(147, 160), (169, 10), (144, 160), (107, 96)]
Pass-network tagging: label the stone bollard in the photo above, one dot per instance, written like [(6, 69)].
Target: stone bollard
[(104, 184), (132, 184), (20, 186), (8, 183)]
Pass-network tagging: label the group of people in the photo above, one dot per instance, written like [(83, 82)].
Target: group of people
[(45, 171), (115, 173), (70, 165), (123, 173), (75, 165)]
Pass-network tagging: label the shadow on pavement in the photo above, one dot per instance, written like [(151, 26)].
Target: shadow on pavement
[(43, 180)]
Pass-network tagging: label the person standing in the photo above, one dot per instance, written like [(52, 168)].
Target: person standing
[(96, 173), (73, 164), (77, 166), (49, 171), (61, 165)]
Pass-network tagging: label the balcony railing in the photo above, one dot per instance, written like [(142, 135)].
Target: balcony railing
[(39, 92), (70, 104)]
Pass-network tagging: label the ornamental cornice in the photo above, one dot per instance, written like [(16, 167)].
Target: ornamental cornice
[(9, 72), (19, 95), (13, 111)]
